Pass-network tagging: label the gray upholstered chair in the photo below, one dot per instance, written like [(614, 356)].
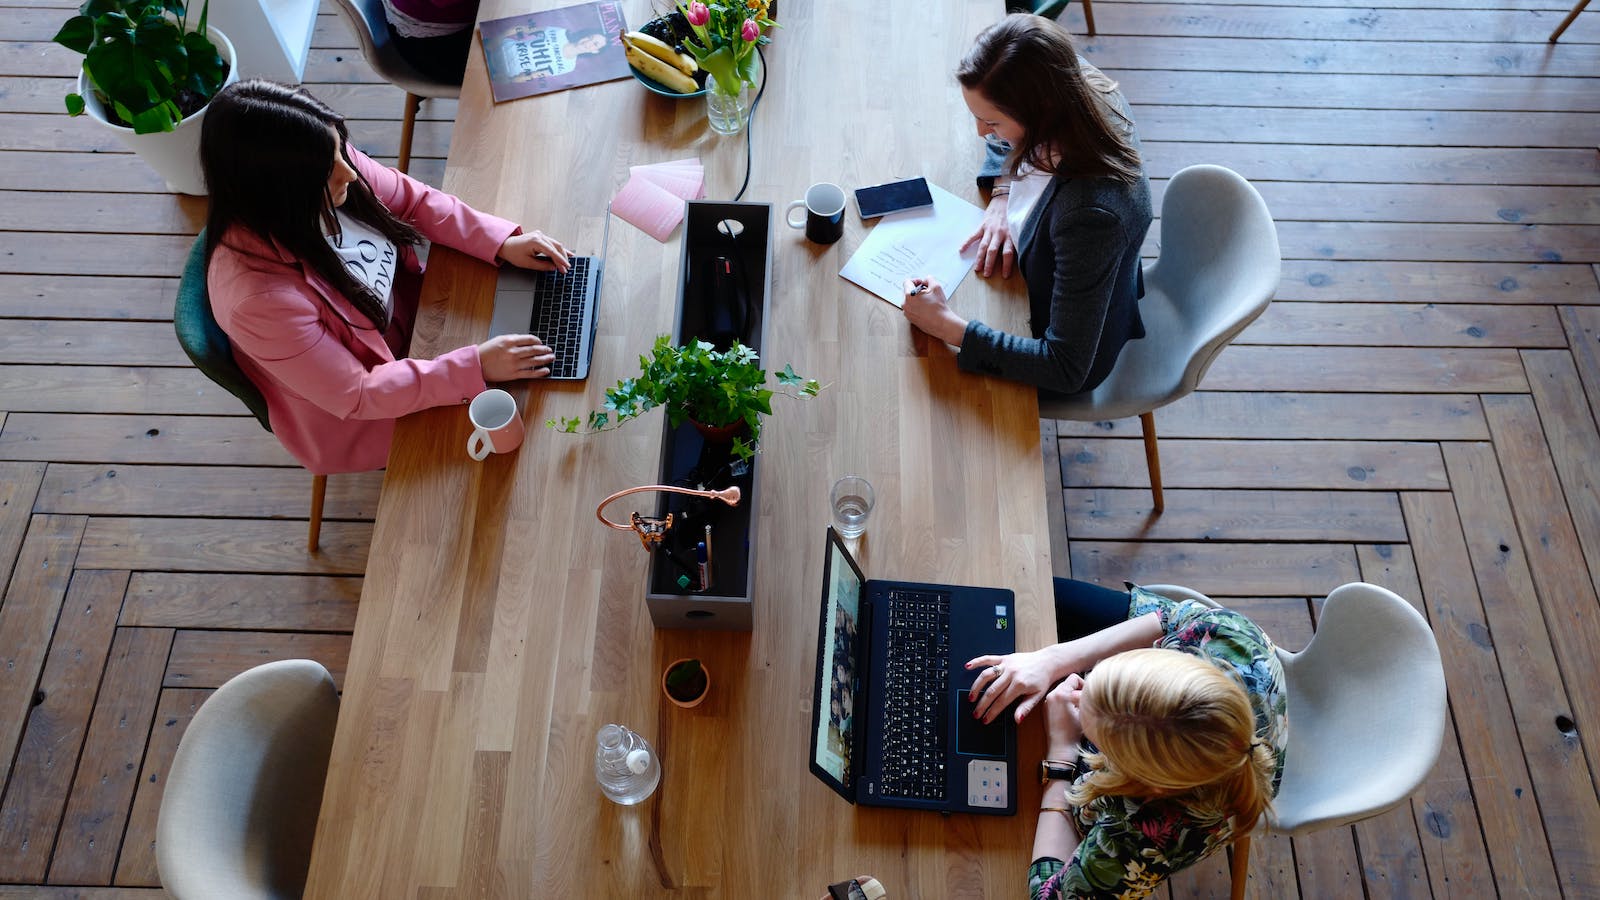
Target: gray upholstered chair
[(240, 806), (208, 347), (1370, 678), (1218, 268), (372, 30)]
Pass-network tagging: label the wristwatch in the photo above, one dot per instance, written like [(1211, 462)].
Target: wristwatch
[(1057, 770)]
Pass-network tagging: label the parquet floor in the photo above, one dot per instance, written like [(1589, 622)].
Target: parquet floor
[(1418, 408)]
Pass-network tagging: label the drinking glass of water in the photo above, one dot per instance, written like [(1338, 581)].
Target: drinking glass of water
[(852, 504)]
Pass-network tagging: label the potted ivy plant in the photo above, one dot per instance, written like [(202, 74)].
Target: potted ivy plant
[(148, 73), (686, 682), (723, 393)]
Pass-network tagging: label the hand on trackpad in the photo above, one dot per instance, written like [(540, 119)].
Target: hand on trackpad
[(975, 738)]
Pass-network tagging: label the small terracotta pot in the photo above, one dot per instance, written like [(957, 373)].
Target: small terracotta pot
[(720, 434), (686, 704)]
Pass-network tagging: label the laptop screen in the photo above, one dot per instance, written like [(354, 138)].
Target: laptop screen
[(837, 682)]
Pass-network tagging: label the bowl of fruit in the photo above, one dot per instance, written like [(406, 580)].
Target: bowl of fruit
[(660, 61)]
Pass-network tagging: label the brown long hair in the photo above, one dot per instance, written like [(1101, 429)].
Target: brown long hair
[(1027, 67), (267, 151), (1173, 725)]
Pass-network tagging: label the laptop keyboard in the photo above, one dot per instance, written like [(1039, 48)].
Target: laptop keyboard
[(916, 695), (558, 315)]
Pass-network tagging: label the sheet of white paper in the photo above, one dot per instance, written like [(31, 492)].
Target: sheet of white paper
[(918, 242)]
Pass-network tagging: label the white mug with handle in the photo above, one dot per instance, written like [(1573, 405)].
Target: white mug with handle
[(496, 427)]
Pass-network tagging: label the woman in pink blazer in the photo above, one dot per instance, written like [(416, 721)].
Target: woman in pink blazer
[(313, 276)]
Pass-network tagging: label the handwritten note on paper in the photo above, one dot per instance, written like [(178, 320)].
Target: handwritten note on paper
[(920, 242)]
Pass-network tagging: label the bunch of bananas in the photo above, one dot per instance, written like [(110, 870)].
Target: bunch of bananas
[(656, 59)]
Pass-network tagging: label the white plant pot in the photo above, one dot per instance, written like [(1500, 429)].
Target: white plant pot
[(175, 155)]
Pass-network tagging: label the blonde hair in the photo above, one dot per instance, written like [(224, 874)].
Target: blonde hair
[(1173, 725)]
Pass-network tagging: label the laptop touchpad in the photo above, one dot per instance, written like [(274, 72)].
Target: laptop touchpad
[(974, 738)]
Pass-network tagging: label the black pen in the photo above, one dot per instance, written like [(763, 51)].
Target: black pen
[(917, 290)]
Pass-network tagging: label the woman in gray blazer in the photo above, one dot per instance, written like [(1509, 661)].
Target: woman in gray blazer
[(1069, 205)]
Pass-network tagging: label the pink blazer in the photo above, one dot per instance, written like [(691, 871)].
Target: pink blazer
[(333, 391)]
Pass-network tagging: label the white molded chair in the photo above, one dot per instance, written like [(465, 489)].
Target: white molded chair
[(240, 807), (1370, 678), (1218, 268), (372, 29)]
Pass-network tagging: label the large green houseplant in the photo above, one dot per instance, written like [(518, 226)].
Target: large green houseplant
[(148, 78), (145, 65), (716, 389)]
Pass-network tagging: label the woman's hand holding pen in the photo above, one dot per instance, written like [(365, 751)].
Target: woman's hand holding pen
[(926, 307), (535, 250), (996, 249)]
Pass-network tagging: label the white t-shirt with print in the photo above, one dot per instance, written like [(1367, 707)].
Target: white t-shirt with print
[(368, 255)]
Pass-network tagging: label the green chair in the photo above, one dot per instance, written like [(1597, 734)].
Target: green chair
[(211, 352), (1051, 9)]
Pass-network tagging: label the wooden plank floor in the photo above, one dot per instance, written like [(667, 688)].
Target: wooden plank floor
[(1418, 409)]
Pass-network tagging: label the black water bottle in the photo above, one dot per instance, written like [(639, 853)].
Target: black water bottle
[(726, 316)]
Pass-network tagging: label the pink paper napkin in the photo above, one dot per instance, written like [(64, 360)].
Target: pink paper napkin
[(653, 199), (648, 206), (678, 181)]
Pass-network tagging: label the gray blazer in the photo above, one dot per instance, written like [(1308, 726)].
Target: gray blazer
[(1079, 254)]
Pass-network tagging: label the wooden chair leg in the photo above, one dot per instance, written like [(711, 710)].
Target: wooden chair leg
[(1568, 20), (1152, 459), (319, 487), (413, 103), (1241, 866), (1088, 14)]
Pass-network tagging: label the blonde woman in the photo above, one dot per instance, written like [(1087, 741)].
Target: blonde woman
[(1170, 746)]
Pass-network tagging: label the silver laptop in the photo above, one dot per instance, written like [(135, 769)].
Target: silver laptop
[(561, 308)]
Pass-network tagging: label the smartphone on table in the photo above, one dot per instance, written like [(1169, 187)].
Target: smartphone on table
[(895, 196)]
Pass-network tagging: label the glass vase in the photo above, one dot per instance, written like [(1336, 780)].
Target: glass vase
[(727, 111)]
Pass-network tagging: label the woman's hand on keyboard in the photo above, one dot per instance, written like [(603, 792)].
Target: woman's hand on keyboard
[(1025, 676), (535, 250), (509, 357)]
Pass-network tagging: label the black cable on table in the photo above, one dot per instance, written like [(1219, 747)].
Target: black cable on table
[(750, 125)]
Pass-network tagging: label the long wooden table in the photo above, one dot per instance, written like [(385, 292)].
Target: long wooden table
[(501, 625)]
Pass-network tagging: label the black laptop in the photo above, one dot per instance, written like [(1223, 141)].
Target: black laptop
[(892, 725), (561, 308)]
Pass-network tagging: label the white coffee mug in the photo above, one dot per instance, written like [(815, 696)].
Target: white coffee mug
[(496, 427)]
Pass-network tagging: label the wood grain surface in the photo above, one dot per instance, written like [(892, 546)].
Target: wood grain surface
[(1433, 172), (500, 626)]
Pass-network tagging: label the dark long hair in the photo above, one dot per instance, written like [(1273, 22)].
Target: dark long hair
[(1027, 67), (267, 153)]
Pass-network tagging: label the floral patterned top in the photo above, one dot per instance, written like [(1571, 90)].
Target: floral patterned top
[(1128, 845)]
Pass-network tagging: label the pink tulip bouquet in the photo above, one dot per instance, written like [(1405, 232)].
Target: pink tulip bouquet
[(725, 38)]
